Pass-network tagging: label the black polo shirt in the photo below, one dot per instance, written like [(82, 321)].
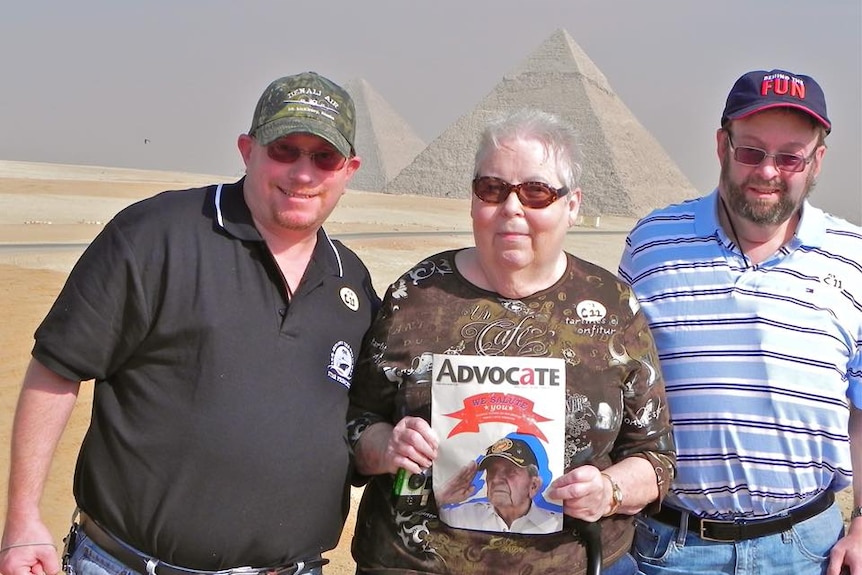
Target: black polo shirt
[(217, 438)]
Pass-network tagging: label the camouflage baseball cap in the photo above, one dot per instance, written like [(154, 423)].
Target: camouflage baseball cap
[(305, 103), (515, 450)]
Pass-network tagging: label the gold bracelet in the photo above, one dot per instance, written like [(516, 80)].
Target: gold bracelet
[(616, 495), (14, 545)]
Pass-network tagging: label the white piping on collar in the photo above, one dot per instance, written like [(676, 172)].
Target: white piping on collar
[(337, 255), (220, 218), (219, 215)]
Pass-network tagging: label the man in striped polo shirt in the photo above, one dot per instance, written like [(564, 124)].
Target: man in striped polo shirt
[(754, 297)]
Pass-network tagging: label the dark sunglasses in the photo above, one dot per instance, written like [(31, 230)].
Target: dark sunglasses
[(530, 194), (754, 157), (327, 160)]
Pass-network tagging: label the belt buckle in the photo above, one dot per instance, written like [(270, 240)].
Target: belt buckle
[(295, 568), (246, 571), (702, 531), (288, 570)]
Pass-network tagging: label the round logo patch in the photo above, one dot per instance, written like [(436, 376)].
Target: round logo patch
[(350, 299), (591, 311), (502, 445)]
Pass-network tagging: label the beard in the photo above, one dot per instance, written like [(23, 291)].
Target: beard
[(756, 211)]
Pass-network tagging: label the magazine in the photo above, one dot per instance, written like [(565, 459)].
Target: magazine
[(501, 424)]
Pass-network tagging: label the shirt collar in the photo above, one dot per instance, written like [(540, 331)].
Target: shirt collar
[(234, 217)]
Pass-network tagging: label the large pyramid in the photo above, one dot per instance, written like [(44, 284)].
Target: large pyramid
[(384, 140), (626, 171)]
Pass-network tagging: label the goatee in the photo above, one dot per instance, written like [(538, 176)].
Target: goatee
[(756, 211)]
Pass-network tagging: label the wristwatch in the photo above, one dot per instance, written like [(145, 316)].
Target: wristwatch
[(856, 512), (616, 495)]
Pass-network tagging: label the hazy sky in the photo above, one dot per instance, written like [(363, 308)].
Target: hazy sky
[(87, 82)]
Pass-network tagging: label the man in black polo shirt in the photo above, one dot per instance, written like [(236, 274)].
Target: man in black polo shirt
[(220, 325)]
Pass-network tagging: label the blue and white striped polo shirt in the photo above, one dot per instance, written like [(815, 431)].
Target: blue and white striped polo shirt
[(760, 362)]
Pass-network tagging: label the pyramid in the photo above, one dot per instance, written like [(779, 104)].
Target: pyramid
[(384, 140), (626, 172)]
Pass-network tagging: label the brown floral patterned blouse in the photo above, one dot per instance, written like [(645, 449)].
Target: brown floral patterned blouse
[(588, 318)]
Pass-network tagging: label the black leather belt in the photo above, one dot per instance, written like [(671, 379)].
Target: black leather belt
[(138, 562), (741, 529)]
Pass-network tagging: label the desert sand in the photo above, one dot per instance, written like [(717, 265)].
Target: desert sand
[(48, 213)]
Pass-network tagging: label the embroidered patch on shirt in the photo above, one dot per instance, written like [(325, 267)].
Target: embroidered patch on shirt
[(341, 363)]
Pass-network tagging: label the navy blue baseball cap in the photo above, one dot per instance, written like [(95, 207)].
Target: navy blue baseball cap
[(761, 90)]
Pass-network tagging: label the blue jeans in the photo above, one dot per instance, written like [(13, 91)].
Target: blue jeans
[(90, 559), (625, 565), (662, 549)]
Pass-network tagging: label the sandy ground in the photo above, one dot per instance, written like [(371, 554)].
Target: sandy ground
[(56, 210)]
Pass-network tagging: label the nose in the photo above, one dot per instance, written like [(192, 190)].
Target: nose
[(303, 169), (512, 204), (770, 161), (768, 168)]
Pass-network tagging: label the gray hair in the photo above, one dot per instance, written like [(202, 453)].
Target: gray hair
[(557, 137)]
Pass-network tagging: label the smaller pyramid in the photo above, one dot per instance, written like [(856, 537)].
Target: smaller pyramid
[(384, 140)]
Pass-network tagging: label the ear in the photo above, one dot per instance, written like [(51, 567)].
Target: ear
[(535, 486), (818, 160), (245, 143), (352, 165), (574, 206), (721, 143)]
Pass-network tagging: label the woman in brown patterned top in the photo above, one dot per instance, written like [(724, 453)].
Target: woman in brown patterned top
[(516, 293)]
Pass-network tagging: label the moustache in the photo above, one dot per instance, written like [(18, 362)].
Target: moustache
[(776, 183)]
